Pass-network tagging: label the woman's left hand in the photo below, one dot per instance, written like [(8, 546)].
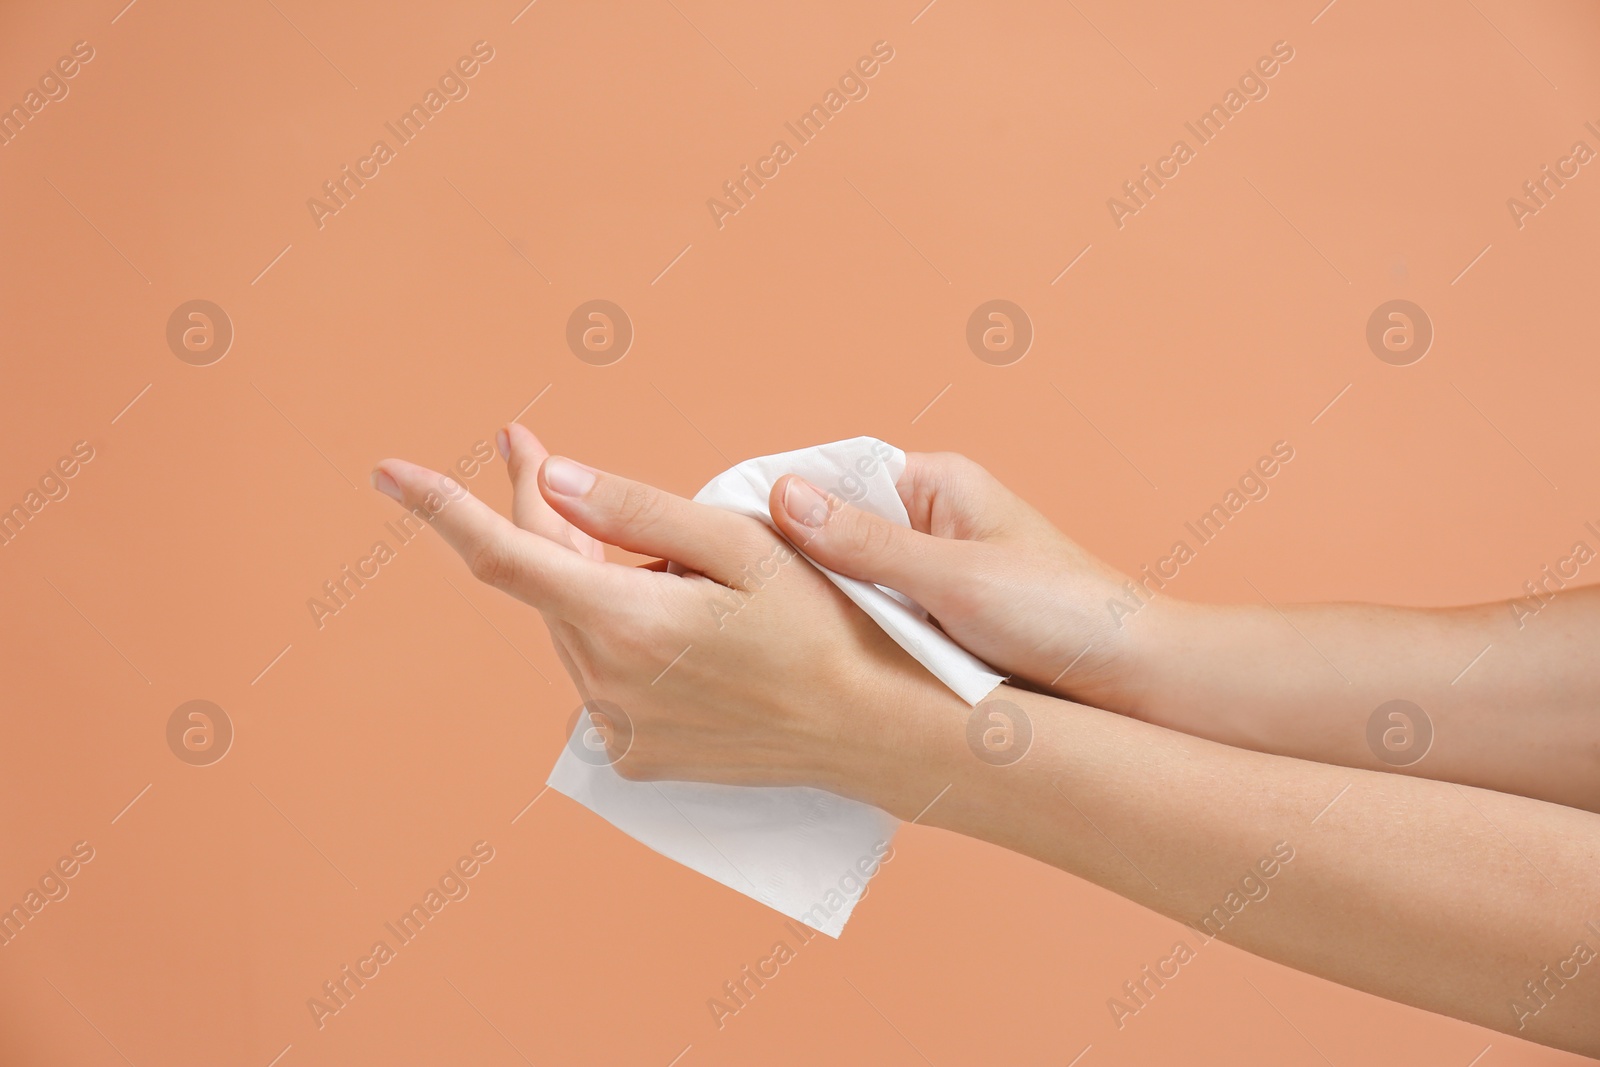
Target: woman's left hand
[(741, 665)]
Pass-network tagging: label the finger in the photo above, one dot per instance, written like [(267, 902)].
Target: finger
[(948, 495), (643, 519), (861, 545), (523, 452), (534, 569)]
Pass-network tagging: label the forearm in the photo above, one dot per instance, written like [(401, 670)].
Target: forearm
[(1512, 703), (1423, 892)]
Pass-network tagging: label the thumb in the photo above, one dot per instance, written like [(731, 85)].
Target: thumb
[(860, 545)]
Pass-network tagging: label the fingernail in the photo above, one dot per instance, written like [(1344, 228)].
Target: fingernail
[(387, 486), (804, 503), (502, 441), (566, 477)]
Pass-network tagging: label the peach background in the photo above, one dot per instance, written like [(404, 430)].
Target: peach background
[(1224, 317)]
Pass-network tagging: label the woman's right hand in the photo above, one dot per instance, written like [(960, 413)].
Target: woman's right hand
[(994, 573)]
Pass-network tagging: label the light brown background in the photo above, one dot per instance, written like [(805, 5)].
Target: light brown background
[(1223, 318)]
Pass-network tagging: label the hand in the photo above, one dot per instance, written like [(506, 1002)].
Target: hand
[(789, 684), (995, 575)]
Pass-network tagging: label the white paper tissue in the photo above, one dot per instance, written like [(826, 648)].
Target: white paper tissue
[(804, 852)]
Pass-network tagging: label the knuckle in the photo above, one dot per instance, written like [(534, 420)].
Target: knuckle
[(956, 469), (491, 564), (639, 506), (874, 539)]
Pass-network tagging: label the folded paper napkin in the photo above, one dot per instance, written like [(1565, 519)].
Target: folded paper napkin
[(805, 852)]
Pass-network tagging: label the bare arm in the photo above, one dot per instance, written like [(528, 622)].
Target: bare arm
[(1510, 696), (1495, 700), (1446, 897), (1456, 899)]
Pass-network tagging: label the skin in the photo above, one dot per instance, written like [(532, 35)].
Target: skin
[(1436, 893), (1294, 680)]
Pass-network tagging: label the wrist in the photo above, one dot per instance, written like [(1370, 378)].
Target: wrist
[(899, 754), (1158, 656)]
